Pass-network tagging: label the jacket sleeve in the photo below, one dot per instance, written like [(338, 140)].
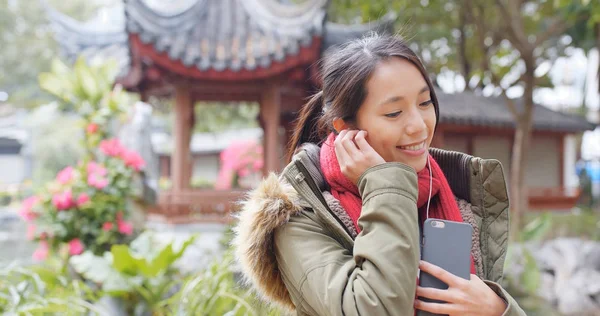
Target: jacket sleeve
[(379, 276), (512, 307)]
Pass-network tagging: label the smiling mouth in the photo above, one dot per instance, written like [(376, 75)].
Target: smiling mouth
[(416, 147)]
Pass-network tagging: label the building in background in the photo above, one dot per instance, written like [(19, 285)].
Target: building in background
[(15, 158), (266, 52)]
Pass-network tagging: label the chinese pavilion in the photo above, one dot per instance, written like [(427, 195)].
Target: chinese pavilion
[(214, 50)]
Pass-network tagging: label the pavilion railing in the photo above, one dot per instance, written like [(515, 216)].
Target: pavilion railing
[(553, 198), (217, 205), (197, 205)]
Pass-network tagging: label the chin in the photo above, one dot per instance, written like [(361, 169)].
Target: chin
[(420, 165)]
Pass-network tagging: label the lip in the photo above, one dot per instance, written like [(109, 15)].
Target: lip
[(412, 144), (414, 153)]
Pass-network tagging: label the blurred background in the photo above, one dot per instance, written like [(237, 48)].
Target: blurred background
[(152, 117)]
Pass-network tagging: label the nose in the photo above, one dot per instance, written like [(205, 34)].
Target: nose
[(415, 124)]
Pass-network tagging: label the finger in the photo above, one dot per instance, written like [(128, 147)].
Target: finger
[(361, 141), (436, 308), (443, 275), (340, 152), (436, 294), (349, 145)]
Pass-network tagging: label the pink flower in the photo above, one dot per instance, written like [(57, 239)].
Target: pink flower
[(75, 246), (92, 128), (111, 147), (82, 199), (41, 253), (63, 201), (133, 160), (108, 226), (244, 172), (258, 164), (124, 227), (65, 175), (97, 181), (30, 232), (26, 212), (95, 168)]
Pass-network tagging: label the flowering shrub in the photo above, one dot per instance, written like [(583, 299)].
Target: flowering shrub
[(85, 206), (239, 161)]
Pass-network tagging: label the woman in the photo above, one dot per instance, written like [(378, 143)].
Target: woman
[(337, 233)]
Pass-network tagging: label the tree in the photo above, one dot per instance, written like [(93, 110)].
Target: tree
[(498, 43), (28, 46), (531, 29)]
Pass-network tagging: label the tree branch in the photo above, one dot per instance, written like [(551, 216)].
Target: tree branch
[(511, 12), (512, 107), (558, 26)]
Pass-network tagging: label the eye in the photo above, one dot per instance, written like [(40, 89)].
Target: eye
[(392, 115), (426, 103)]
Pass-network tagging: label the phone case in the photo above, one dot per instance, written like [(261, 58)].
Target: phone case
[(448, 247)]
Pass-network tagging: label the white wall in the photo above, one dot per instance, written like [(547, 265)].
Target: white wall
[(206, 167), (570, 150), (494, 147), (543, 163), (12, 169)]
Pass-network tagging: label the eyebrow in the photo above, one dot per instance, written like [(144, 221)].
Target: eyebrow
[(398, 98)]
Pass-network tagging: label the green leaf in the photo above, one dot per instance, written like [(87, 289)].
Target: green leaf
[(531, 276), (537, 229), (124, 262), (87, 81), (100, 270)]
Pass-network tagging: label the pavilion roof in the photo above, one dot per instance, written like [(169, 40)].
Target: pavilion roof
[(209, 35)]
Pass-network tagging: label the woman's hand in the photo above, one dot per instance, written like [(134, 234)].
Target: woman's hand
[(354, 154), (463, 297)]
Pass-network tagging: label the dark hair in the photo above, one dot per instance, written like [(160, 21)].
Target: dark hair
[(345, 72)]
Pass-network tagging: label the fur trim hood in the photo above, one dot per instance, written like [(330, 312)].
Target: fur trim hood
[(267, 207)]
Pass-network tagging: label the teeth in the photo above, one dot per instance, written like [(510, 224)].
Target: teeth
[(414, 147)]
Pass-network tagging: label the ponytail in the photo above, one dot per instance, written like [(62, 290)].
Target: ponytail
[(308, 126)]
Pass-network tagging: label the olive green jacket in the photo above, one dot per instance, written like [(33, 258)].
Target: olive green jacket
[(299, 251)]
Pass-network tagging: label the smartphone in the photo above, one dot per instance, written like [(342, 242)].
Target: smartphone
[(446, 244)]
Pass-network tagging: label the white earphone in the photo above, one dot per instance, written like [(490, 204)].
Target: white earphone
[(430, 185)]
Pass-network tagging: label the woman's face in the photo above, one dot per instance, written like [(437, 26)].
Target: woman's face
[(398, 113)]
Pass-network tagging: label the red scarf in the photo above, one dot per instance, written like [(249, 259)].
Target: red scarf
[(443, 207)]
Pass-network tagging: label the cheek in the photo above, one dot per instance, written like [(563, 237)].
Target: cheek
[(379, 136), (430, 121)]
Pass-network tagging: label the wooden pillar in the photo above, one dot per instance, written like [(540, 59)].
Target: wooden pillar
[(270, 117), (561, 160), (182, 130)]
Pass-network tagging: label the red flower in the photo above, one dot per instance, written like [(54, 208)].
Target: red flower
[(96, 168), (92, 128), (65, 175), (97, 181), (124, 227), (75, 247), (133, 160), (108, 226), (41, 253), (82, 199), (26, 212), (111, 147), (30, 232), (63, 201)]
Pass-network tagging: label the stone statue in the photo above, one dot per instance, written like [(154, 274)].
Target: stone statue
[(135, 135)]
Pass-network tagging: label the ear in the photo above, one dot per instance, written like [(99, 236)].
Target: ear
[(339, 125)]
